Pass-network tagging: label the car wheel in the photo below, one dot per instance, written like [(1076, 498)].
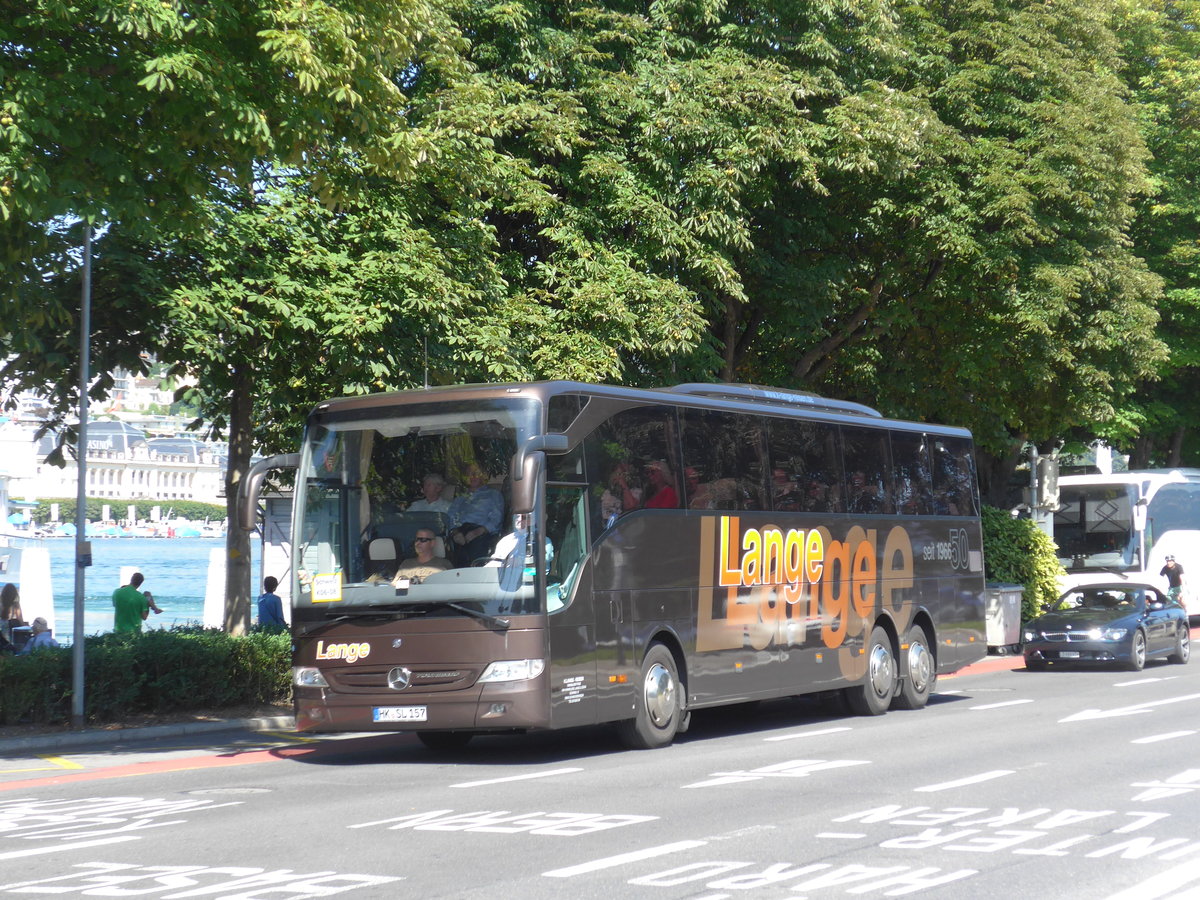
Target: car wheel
[(1183, 645), (920, 672), (874, 695), (1035, 665), (1137, 652)]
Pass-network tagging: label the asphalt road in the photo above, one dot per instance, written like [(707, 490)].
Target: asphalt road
[(1010, 784)]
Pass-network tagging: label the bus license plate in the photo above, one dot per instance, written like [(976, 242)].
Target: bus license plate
[(400, 714), (1069, 654)]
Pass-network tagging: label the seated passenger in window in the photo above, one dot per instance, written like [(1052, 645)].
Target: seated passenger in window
[(863, 496), (431, 495), (660, 490), (699, 494), (475, 518), (417, 568), (784, 495), (623, 494)]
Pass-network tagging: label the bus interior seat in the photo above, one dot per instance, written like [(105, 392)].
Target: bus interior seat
[(382, 557)]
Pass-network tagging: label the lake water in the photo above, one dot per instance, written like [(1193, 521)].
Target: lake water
[(176, 571)]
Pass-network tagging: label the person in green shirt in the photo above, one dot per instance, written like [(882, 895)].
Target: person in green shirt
[(130, 606)]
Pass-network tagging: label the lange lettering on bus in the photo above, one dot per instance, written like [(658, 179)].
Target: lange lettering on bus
[(782, 569), (351, 652)]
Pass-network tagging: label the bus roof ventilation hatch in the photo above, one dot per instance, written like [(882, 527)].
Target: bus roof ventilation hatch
[(754, 393)]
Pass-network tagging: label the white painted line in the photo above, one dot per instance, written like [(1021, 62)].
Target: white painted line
[(1155, 738), (999, 705), (804, 734), (842, 835), (973, 779), (547, 774), (1126, 710), (621, 859), (1147, 680), (58, 848), (1162, 884)]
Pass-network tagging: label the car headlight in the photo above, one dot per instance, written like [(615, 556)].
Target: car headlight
[(1107, 634), (512, 670), (1030, 635), (308, 676)]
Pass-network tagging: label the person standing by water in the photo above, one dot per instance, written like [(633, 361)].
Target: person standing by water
[(1174, 574), (270, 605), (131, 607)]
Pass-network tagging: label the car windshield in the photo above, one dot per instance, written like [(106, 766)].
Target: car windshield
[(1100, 599)]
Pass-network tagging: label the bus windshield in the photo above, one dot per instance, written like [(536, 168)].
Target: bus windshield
[(1094, 527), (407, 510)]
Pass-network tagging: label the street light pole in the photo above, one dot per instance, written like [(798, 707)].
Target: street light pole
[(83, 552)]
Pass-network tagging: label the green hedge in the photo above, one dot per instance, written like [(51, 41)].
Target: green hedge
[(159, 671), (1016, 551)]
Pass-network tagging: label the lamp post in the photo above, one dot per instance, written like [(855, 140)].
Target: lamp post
[(83, 550)]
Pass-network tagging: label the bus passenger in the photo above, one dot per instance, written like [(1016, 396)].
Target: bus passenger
[(623, 494), (699, 494), (417, 568), (475, 519), (661, 492), (431, 495)]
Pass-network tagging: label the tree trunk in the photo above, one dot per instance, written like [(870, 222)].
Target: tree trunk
[(237, 542), (996, 476), (1175, 457)]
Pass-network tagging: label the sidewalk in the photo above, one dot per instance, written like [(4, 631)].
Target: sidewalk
[(100, 737)]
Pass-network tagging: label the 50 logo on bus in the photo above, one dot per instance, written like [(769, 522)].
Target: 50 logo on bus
[(767, 585), (954, 550)]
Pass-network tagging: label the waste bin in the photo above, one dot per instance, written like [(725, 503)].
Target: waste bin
[(1003, 602)]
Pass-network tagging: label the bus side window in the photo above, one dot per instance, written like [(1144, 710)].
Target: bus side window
[(911, 478), (620, 453), (810, 458), (954, 490), (723, 457), (868, 471)]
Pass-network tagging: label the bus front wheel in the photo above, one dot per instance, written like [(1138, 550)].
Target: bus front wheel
[(920, 673), (874, 695), (659, 705)]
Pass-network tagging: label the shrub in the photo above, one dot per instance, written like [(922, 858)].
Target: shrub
[(1018, 552), (155, 672)]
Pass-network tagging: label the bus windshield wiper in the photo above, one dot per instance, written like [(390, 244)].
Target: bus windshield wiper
[(494, 621)]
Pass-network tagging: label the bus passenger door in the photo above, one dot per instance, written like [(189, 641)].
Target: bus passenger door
[(570, 614)]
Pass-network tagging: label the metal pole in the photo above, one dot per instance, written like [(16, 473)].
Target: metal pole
[(82, 548)]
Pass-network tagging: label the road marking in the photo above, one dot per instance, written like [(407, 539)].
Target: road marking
[(1155, 738), (58, 848), (1087, 714), (961, 782), (842, 835), (1179, 785), (804, 734), (622, 858), (1162, 884), (57, 763), (547, 774), (999, 705)]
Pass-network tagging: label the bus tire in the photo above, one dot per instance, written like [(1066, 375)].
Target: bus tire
[(874, 695), (659, 704), (444, 741), (920, 672)]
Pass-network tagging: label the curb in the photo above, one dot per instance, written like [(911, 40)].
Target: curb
[(100, 737)]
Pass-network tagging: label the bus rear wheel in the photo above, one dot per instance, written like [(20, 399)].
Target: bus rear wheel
[(874, 695), (920, 673), (659, 705)]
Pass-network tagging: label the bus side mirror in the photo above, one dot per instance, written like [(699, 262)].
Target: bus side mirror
[(525, 481), (553, 443), (249, 489)]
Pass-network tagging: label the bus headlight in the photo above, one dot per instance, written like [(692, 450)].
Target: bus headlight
[(512, 670), (308, 676)]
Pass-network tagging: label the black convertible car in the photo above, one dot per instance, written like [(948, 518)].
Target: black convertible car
[(1123, 624)]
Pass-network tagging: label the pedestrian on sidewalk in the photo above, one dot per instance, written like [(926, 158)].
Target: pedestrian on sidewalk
[(270, 606), (131, 607)]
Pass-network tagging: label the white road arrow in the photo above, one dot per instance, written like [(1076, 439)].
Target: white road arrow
[(1125, 710)]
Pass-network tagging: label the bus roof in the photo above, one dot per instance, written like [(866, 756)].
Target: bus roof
[(746, 398)]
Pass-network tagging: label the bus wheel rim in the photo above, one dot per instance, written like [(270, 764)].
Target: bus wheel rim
[(920, 666), (881, 672), (660, 695)]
